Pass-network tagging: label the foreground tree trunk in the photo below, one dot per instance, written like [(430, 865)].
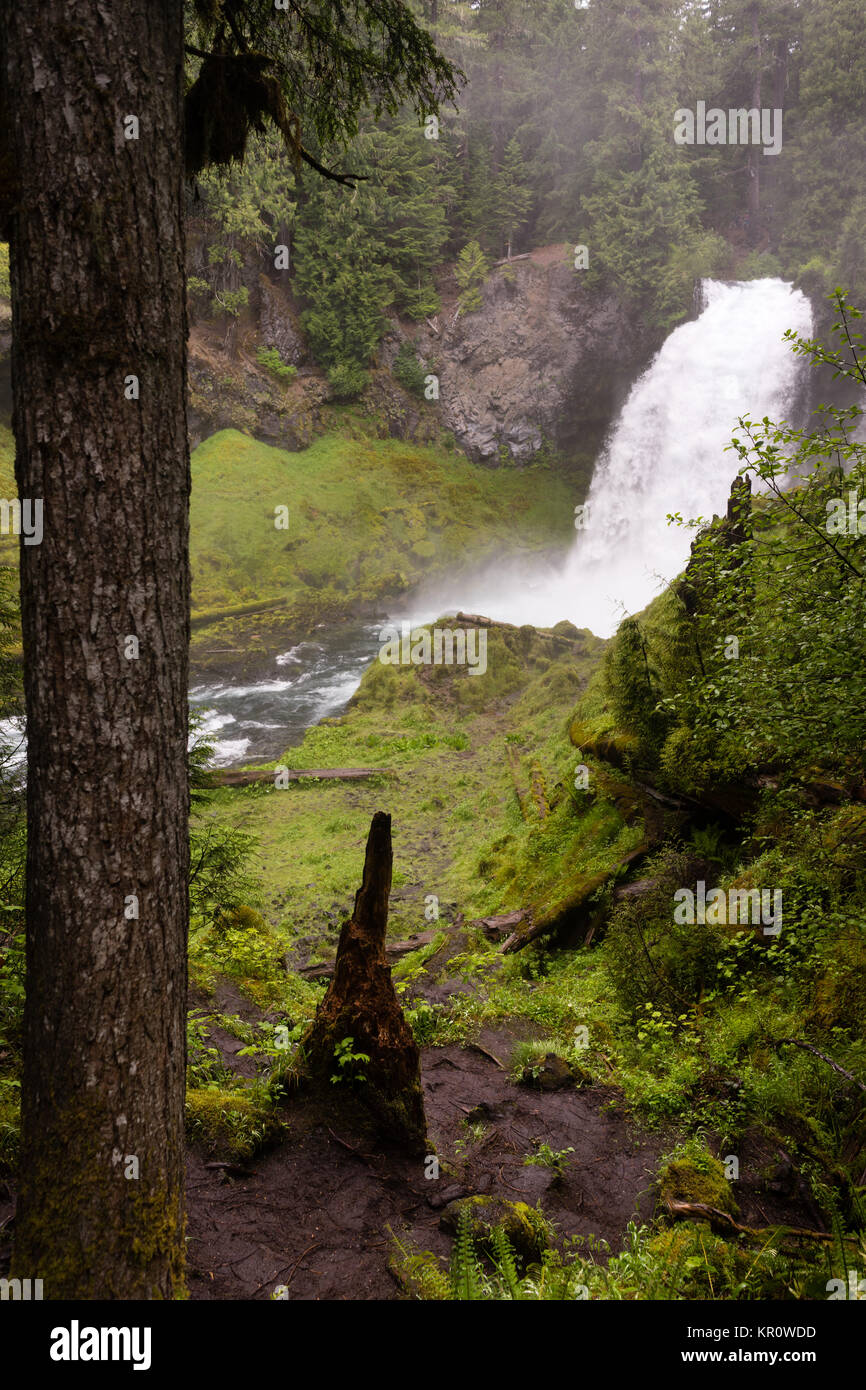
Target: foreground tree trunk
[(94, 97), (361, 1004)]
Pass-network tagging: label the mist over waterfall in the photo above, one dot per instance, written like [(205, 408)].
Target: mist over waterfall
[(665, 454)]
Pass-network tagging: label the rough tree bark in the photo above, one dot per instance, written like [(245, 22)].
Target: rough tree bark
[(98, 283), (361, 1004)]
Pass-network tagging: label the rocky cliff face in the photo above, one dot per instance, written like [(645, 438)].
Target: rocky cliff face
[(232, 390), (820, 385), (544, 361)]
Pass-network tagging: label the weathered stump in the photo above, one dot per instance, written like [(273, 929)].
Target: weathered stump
[(361, 1004)]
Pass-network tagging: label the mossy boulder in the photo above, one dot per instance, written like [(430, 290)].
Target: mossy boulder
[(527, 1231), (241, 919), (554, 1073), (696, 1178), (228, 1123)]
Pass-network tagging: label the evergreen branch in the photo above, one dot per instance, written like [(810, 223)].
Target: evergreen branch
[(344, 179)]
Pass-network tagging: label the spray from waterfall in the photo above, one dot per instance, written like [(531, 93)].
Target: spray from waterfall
[(665, 454)]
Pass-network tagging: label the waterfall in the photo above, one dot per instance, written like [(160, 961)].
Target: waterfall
[(667, 451), (664, 454)]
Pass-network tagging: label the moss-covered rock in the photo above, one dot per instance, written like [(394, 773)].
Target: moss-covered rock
[(241, 918), (553, 1073), (696, 1176), (608, 745), (230, 1124), (527, 1231)]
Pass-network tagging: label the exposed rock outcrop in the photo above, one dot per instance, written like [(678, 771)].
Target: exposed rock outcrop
[(544, 358)]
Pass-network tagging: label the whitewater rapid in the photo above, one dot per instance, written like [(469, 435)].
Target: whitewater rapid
[(311, 681)]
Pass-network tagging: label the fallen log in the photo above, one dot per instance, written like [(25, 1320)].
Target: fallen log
[(574, 912), (247, 777), (638, 889), (677, 803), (497, 928), (726, 1225), (478, 620), (807, 1047)]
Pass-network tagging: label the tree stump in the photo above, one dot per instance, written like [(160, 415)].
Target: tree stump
[(361, 1004)]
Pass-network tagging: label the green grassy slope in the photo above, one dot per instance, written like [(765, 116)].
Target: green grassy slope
[(367, 519), (8, 543)]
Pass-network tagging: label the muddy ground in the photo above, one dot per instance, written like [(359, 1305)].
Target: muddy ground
[(315, 1213)]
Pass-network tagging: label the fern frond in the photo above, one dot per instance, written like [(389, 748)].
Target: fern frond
[(467, 1277), (506, 1265)]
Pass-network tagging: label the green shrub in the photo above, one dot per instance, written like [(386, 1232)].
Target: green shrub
[(409, 371), (348, 380), (270, 357), (654, 960)]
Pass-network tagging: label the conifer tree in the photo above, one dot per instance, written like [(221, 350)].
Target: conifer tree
[(470, 273), (513, 194), (343, 282)]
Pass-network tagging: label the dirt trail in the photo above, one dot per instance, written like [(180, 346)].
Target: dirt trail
[(315, 1214)]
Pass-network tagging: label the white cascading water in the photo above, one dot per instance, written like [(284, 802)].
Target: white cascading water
[(666, 454)]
